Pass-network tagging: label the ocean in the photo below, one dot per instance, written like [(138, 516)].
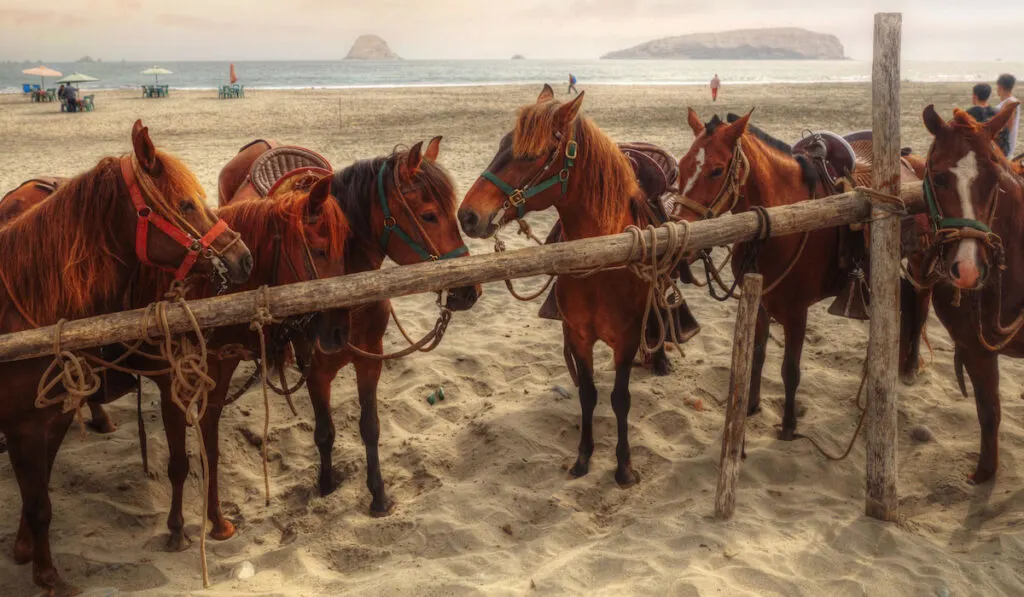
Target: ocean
[(428, 73)]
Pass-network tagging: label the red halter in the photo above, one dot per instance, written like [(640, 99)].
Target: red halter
[(147, 216)]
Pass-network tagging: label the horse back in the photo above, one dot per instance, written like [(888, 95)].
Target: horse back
[(235, 174), (26, 195)]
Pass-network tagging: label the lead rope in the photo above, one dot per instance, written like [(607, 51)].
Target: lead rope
[(427, 343), (499, 247), (263, 317)]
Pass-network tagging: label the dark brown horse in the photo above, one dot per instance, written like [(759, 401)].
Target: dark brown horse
[(976, 206), (72, 256), (734, 166), (554, 157), (400, 206)]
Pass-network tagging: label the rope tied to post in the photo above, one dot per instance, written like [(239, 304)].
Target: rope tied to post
[(499, 247), (74, 373), (261, 318), (663, 295)]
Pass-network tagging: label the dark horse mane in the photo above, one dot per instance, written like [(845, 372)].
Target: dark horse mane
[(60, 256), (810, 177), (608, 176), (355, 188)]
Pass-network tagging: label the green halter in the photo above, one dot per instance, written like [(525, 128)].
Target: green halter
[(391, 225), (517, 197), (940, 222)]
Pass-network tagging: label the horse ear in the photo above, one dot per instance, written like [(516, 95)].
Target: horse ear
[(998, 122), (933, 122), (319, 194), (567, 112), (433, 148), (412, 163), (961, 117), (145, 152), (734, 131), (546, 95), (694, 121)]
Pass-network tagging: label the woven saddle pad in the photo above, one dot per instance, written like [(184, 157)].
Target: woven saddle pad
[(273, 165), (864, 150)]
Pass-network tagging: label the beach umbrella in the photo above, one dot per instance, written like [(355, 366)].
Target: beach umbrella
[(77, 78), (156, 71), (232, 76), (41, 72)]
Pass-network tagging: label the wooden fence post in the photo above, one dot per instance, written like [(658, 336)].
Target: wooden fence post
[(883, 345), (739, 395)]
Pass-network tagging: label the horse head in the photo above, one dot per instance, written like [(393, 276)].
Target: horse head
[(529, 172), (176, 230), (710, 172), (963, 175)]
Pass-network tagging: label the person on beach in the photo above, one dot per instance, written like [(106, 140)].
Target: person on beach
[(572, 84), (71, 96), (60, 92), (981, 111), (715, 84), (1007, 138)]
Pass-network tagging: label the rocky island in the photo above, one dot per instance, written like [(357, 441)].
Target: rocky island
[(371, 47), (780, 43)]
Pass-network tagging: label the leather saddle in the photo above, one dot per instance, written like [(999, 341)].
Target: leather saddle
[(864, 152), (263, 167), (831, 153)]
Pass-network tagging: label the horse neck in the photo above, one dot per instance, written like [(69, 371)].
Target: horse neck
[(1008, 223), (774, 179), (591, 206), (359, 205)]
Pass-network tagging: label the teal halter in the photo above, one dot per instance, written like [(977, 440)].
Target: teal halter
[(391, 225), (517, 197), (940, 222)]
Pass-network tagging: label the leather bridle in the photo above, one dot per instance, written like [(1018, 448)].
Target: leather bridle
[(517, 196), (194, 243), (728, 196), (422, 247)]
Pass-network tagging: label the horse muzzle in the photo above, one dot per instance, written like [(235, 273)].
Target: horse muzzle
[(463, 299), (476, 225)]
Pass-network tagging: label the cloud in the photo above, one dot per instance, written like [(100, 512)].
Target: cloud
[(41, 18)]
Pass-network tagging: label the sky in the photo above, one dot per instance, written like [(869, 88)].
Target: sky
[(172, 30)]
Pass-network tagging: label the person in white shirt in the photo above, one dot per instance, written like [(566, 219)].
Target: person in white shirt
[(1007, 138), (715, 84)]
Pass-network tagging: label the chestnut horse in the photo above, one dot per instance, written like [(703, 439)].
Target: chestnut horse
[(975, 201), (555, 157), (400, 206), (73, 256), (737, 167)]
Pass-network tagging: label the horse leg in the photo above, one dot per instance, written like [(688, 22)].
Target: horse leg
[(983, 369), (177, 464), (23, 544), (760, 349), (583, 354), (321, 375), (914, 306), (367, 376), (100, 421), (795, 327), (621, 401), (33, 447), (221, 371)]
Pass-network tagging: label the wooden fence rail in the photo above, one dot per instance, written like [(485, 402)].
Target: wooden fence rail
[(355, 289)]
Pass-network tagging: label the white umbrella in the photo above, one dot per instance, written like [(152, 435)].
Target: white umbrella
[(41, 72), (156, 71), (77, 78)]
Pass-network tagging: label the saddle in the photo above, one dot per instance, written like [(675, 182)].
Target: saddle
[(272, 168), (864, 152), (830, 153), (657, 172)]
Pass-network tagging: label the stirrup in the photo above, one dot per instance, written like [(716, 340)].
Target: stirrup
[(854, 300), (549, 310)]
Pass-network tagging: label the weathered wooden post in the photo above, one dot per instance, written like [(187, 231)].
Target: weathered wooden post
[(739, 395), (883, 345)]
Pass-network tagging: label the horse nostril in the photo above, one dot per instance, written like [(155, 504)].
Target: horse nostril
[(468, 219), (955, 269)]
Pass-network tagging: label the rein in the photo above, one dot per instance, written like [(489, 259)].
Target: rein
[(194, 243), (423, 247)]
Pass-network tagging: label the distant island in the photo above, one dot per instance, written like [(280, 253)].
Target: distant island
[(519, 57), (371, 47), (779, 43), (88, 59)]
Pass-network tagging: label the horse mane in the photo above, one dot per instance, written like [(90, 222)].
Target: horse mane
[(781, 149), (284, 214), (608, 177), (355, 188), (773, 142), (63, 255)]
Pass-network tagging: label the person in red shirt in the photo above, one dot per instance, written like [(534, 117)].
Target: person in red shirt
[(715, 84)]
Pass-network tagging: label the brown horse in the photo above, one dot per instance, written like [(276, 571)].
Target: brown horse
[(72, 256), (554, 157), (976, 206), (400, 206), (737, 167)]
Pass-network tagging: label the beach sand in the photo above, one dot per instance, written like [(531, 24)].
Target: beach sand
[(484, 502)]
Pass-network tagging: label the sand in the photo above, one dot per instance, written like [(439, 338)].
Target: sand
[(484, 503)]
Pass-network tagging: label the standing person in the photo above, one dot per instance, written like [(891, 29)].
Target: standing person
[(572, 84), (71, 95), (60, 92), (981, 111), (715, 84), (1007, 138)]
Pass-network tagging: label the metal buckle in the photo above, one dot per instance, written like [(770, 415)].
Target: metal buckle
[(144, 212), (517, 198), (563, 175), (571, 150), (196, 246), (390, 222)]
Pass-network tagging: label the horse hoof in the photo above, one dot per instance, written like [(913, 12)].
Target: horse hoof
[(753, 409), (662, 367), (909, 378), (178, 541), (222, 531), (578, 470), (382, 510), (59, 588), (102, 426), (627, 478), (980, 477), (787, 435), (22, 554)]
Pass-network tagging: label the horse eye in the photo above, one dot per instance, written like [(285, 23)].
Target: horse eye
[(321, 253), (187, 207), (715, 173), (429, 217), (941, 180)]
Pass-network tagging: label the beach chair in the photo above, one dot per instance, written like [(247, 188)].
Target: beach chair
[(36, 87), (51, 94), (87, 105), (222, 92), (26, 87), (145, 90), (165, 90), (241, 91)]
